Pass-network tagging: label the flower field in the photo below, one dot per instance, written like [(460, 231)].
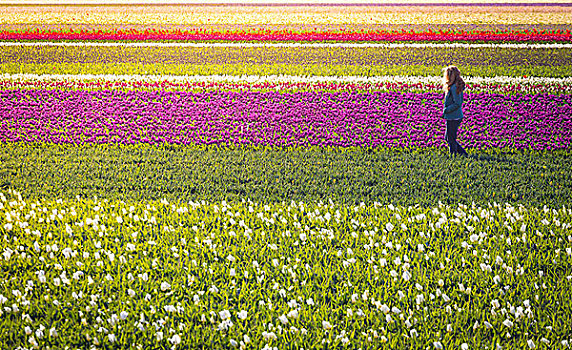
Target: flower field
[(275, 177)]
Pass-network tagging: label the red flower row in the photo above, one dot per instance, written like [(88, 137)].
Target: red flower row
[(134, 35)]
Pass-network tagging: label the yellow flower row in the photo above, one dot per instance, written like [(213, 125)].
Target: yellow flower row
[(318, 15)]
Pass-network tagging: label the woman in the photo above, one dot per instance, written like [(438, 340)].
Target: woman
[(453, 85)]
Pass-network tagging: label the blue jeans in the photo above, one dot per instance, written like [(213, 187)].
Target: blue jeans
[(451, 137)]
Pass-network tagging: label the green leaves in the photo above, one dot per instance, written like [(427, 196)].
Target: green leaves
[(265, 175)]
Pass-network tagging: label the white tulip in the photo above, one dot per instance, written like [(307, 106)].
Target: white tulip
[(406, 276), (224, 315), (170, 308), (283, 319), (269, 336), (175, 339), (327, 325), (243, 314), (293, 314)]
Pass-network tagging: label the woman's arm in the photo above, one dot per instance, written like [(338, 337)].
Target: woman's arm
[(457, 100)]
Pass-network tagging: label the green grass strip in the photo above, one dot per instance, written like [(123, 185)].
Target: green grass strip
[(275, 69), (419, 177)]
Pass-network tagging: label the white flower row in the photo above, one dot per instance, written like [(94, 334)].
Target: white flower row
[(280, 79), (289, 44)]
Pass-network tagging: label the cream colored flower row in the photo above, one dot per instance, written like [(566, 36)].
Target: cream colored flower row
[(292, 45), (283, 16), (281, 79)]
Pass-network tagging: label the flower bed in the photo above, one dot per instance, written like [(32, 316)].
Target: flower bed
[(276, 177), (372, 119)]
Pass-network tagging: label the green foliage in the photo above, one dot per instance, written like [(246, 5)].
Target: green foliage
[(345, 175), (295, 55)]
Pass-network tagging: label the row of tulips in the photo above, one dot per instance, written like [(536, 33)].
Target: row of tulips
[(415, 26), (347, 118), (500, 85), (146, 35), (413, 79), (245, 14), (284, 87), (326, 45), (254, 69), (291, 53)]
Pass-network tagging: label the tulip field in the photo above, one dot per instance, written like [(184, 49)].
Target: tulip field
[(276, 177)]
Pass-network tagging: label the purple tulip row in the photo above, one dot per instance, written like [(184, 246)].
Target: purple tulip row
[(392, 119)]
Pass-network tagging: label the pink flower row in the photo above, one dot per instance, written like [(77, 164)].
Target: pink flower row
[(387, 36), (273, 118)]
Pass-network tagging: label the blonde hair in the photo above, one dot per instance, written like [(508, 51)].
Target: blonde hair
[(452, 75)]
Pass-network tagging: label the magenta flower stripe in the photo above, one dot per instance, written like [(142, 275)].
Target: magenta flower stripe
[(343, 119)]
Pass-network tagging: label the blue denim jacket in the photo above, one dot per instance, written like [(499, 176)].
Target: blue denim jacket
[(453, 102)]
